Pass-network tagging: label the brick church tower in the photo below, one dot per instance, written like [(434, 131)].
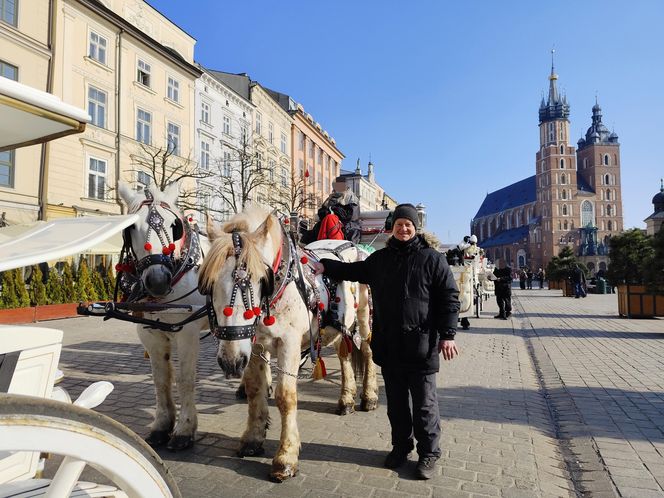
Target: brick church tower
[(555, 178)]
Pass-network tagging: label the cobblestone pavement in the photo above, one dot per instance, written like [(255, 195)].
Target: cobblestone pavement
[(563, 399)]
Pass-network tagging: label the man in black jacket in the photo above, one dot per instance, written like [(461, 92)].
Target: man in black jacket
[(416, 307), (503, 286)]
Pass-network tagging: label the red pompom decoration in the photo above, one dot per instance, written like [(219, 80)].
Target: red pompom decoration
[(337, 299), (268, 320), (286, 221), (228, 311), (190, 219), (304, 260), (165, 250), (118, 267), (356, 305), (147, 246), (257, 311), (321, 306), (248, 315), (306, 174), (171, 247)]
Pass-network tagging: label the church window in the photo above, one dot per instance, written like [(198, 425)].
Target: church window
[(564, 209), (607, 178), (563, 179), (606, 159), (609, 225), (608, 209), (585, 162), (562, 135), (562, 164), (560, 225), (562, 149), (564, 194), (565, 225), (552, 132), (608, 194)]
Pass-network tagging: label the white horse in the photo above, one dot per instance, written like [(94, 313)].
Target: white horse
[(253, 268), (159, 266)]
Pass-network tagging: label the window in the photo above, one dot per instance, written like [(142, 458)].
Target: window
[(173, 138), (144, 127), (552, 132), (96, 178), (564, 209), (609, 225), (564, 194), (270, 132), (143, 180), (205, 112), (608, 194), (562, 148), (7, 168), (585, 162), (8, 11), (284, 177), (97, 106), (259, 123), (606, 159), (562, 164), (320, 182), (7, 157), (310, 147), (565, 225), (283, 143), (300, 166), (300, 141), (143, 73), (320, 156), (271, 173), (173, 90), (609, 210), (227, 125), (8, 71), (563, 179), (244, 134), (606, 179), (259, 160), (97, 48), (226, 169), (205, 154)]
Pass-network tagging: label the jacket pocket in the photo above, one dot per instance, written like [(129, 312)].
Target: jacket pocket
[(418, 344), (415, 313)]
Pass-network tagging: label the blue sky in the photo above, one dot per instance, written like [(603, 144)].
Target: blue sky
[(444, 95)]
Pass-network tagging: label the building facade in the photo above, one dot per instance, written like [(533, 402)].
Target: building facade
[(574, 199), (655, 222), (224, 122), (132, 70), (371, 196), (25, 54)]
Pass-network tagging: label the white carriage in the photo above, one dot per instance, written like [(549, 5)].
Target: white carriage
[(473, 277), (35, 417)]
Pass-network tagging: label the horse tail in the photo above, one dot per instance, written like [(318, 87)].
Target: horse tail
[(358, 364)]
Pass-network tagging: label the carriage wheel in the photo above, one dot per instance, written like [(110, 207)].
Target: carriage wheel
[(83, 437)]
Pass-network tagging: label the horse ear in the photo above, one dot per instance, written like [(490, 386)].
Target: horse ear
[(264, 228), (126, 192), (172, 192), (211, 228)]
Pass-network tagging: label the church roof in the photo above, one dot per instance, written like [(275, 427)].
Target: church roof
[(517, 194), (506, 237)]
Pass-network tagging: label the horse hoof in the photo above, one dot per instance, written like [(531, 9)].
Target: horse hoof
[(241, 393), (345, 409), (281, 472), (251, 449), (158, 438), (179, 443), (368, 405)]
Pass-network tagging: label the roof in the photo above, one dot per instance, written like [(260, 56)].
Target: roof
[(506, 237), (517, 194), (239, 83)]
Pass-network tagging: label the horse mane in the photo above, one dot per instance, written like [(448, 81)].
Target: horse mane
[(221, 249)]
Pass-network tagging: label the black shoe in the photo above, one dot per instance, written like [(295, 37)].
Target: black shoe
[(396, 458), (426, 467), (508, 314), (502, 317)]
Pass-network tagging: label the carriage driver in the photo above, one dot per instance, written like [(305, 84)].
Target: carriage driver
[(416, 305)]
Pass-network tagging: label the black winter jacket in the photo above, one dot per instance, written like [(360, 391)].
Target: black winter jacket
[(415, 302)]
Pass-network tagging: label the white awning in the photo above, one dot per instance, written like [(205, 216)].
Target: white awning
[(55, 239), (29, 116)]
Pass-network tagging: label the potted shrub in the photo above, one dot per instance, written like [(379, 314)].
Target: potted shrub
[(632, 265), (559, 271)]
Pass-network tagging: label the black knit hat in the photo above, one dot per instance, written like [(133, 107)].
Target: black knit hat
[(406, 211)]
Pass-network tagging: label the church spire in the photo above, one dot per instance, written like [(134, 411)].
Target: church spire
[(556, 107), (553, 90)]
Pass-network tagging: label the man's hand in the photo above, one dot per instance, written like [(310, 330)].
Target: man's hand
[(449, 349), (317, 267)]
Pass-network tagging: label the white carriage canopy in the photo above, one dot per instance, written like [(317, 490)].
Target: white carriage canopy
[(29, 116)]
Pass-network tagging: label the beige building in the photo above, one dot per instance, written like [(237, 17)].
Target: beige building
[(371, 196), (25, 53), (133, 70)]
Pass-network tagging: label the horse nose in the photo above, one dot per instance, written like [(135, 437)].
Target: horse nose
[(158, 284), (233, 367)]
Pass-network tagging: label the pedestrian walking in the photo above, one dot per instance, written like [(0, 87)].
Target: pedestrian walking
[(503, 290), (529, 278), (522, 278), (416, 308), (579, 279), (540, 278)]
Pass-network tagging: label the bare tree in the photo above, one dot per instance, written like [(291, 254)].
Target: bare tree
[(241, 176), (295, 196), (163, 167)]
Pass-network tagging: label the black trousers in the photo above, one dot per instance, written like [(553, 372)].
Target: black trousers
[(424, 421), (504, 300)]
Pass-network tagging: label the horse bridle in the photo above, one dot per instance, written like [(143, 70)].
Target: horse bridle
[(131, 267)]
